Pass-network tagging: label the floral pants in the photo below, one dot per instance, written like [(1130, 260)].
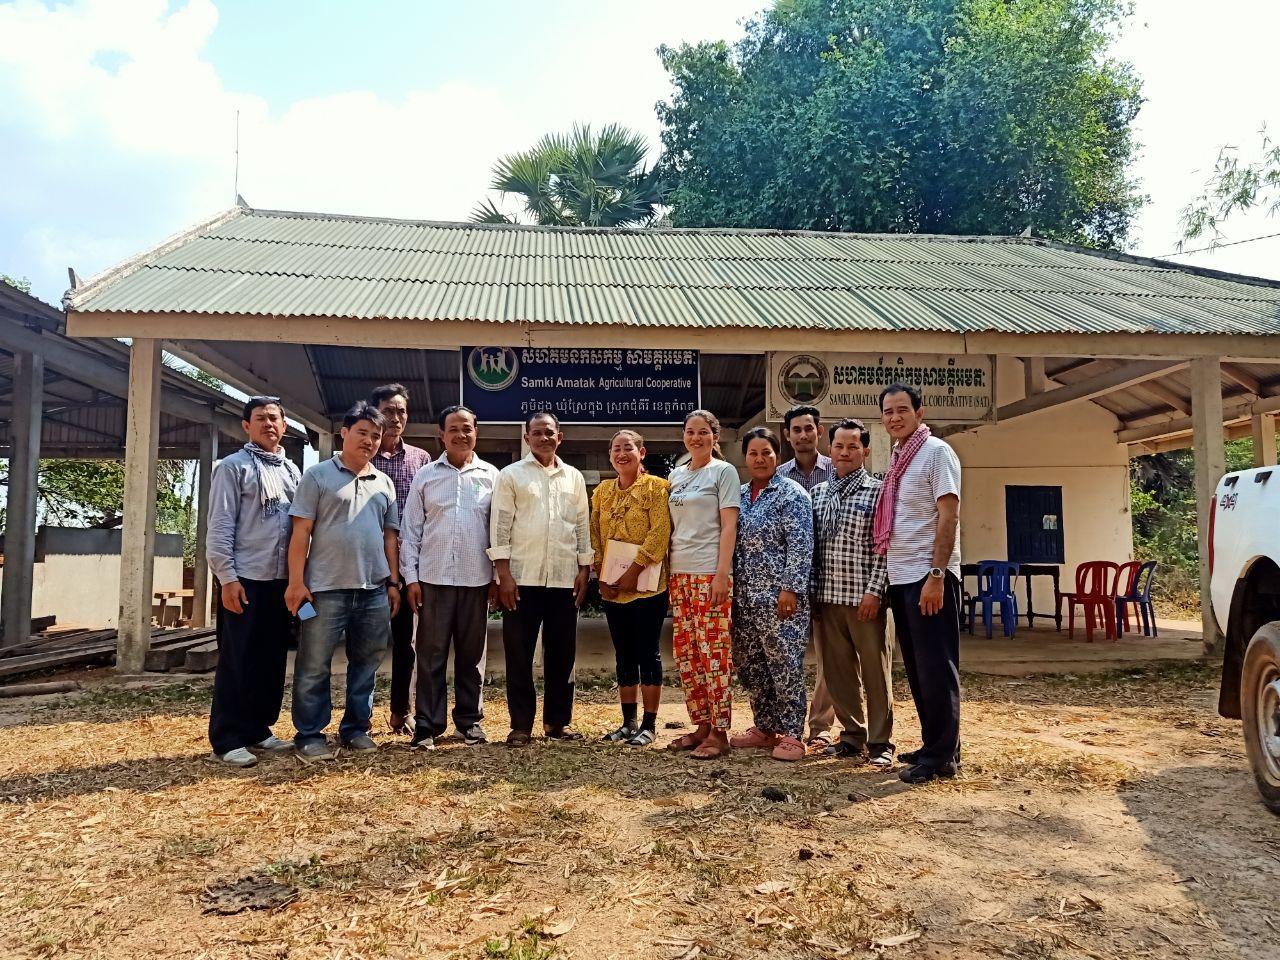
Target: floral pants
[(769, 654), (703, 649)]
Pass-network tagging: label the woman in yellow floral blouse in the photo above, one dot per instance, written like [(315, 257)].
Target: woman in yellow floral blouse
[(633, 510)]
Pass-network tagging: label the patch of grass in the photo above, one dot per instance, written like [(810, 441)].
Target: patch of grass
[(1063, 770), (527, 946), (314, 873), (117, 699), (186, 845)]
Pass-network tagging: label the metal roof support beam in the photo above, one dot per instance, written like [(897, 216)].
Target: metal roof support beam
[(1232, 411), (208, 456), (1121, 377), (1210, 464), (1244, 378), (1263, 428), (138, 540), (20, 525), (200, 354), (1163, 394), (86, 368)]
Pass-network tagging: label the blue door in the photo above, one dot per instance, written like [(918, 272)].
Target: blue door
[(1033, 524)]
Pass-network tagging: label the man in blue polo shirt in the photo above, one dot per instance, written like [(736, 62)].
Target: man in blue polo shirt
[(341, 558)]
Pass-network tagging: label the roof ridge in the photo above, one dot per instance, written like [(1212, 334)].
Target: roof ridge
[(1167, 268)]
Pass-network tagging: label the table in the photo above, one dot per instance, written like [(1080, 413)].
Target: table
[(1029, 570)]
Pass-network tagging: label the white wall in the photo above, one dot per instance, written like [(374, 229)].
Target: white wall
[(1073, 447), (83, 589)]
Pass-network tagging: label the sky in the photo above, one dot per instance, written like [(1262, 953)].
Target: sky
[(118, 119)]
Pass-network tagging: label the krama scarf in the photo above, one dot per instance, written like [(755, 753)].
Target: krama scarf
[(887, 507)]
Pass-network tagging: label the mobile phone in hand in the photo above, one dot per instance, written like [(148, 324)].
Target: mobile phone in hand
[(306, 611)]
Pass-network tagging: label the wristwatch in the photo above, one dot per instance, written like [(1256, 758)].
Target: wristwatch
[(937, 572), (398, 584)]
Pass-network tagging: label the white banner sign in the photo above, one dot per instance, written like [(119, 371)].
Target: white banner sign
[(954, 389)]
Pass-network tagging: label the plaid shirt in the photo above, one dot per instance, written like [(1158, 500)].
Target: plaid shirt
[(845, 564), (822, 472), (401, 467)]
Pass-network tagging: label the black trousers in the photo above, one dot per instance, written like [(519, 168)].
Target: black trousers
[(636, 630), (402, 658), (248, 685), (931, 654), (451, 617), (551, 610)]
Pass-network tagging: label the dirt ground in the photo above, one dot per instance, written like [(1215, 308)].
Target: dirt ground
[(1100, 817)]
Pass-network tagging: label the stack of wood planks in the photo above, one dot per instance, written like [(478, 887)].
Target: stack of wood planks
[(171, 649)]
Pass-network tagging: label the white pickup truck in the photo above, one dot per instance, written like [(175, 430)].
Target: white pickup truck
[(1244, 561)]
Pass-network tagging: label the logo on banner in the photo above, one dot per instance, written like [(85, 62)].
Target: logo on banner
[(804, 379), (493, 368)]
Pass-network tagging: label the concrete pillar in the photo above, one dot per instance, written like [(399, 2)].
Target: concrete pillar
[(326, 445), (1210, 464), (1034, 380), (208, 456), (20, 525), (1264, 440), (295, 453), (138, 543)]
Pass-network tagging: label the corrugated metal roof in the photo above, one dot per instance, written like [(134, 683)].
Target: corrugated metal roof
[(295, 264)]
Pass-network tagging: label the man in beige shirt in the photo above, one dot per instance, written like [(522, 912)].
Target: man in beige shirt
[(540, 545)]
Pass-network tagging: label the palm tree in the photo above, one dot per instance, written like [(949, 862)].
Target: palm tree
[(584, 179)]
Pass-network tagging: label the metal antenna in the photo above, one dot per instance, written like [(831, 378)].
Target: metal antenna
[(236, 191)]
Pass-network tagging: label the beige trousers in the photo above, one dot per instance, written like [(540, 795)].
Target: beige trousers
[(857, 661), (822, 712)]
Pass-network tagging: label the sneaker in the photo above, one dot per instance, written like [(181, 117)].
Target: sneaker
[(317, 751), (360, 743), (274, 744), (624, 732), (239, 757), (881, 757), (473, 736), (422, 741), (845, 751)]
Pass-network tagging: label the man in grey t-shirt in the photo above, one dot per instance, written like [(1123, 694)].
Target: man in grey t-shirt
[(341, 558)]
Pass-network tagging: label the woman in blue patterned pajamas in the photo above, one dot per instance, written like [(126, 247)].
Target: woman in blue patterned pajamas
[(771, 599)]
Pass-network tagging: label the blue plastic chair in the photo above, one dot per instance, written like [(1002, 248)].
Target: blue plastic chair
[(996, 579), (1138, 592)]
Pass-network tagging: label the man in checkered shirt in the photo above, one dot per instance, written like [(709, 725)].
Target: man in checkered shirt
[(849, 582)]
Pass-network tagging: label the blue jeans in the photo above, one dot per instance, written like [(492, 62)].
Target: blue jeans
[(364, 618)]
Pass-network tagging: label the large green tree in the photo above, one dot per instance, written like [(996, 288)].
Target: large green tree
[(937, 116), (582, 179), (1234, 186)]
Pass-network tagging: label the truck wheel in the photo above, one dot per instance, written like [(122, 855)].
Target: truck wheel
[(1260, 711)]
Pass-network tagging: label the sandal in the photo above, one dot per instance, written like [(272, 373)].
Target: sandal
[(644, 736), (518, 738), (688, 741), (398, 723), (754, 738), (710, 750), (564, 734), (789, 749), (624, 732)]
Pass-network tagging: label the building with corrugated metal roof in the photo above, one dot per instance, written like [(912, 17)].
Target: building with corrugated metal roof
[(1081, 357)]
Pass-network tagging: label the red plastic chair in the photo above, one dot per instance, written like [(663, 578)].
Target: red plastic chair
[(1095, 593)]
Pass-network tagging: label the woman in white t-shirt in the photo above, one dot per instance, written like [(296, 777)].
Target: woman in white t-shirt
[(704, 503)]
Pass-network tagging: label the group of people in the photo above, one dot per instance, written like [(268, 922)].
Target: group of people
[(363, 545)]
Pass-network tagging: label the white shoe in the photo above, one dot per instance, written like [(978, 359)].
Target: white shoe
[(239, 757), (274, 743)]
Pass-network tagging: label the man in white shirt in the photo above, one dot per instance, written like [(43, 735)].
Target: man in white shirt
[(444, 537), (541, 546), (917, 524)]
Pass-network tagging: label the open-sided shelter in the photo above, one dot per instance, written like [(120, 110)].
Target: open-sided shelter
[(1091, 355)]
